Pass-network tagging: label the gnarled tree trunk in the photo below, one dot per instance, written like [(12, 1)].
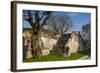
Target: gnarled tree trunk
[(37, 44)]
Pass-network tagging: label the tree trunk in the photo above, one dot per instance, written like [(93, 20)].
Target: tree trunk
[(29, 51), (37, 45)]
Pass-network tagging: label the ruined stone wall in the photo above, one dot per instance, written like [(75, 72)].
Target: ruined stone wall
[(50, 39)]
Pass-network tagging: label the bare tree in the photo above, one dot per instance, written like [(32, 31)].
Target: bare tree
[(37, 19), (86, 29), (86, 32), (60, 23)]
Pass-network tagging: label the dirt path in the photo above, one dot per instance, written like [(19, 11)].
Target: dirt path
[(84, 57)]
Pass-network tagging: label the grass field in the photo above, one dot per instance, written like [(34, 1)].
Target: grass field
[(58, 57)]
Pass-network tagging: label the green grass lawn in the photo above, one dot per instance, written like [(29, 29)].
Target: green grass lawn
[(58, 57)]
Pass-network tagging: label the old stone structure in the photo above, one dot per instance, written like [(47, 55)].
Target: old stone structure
[(74, 43), (64, 43)]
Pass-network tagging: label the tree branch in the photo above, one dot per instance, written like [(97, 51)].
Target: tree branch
[(42, 16), (30, 19), (48, 14)]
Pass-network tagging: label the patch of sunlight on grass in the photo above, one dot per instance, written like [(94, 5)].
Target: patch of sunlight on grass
[(58, 57)]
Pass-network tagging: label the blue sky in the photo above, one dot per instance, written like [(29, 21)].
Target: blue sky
[(78, 19)]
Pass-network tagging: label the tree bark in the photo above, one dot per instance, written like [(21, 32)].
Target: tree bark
[(37, 44)]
